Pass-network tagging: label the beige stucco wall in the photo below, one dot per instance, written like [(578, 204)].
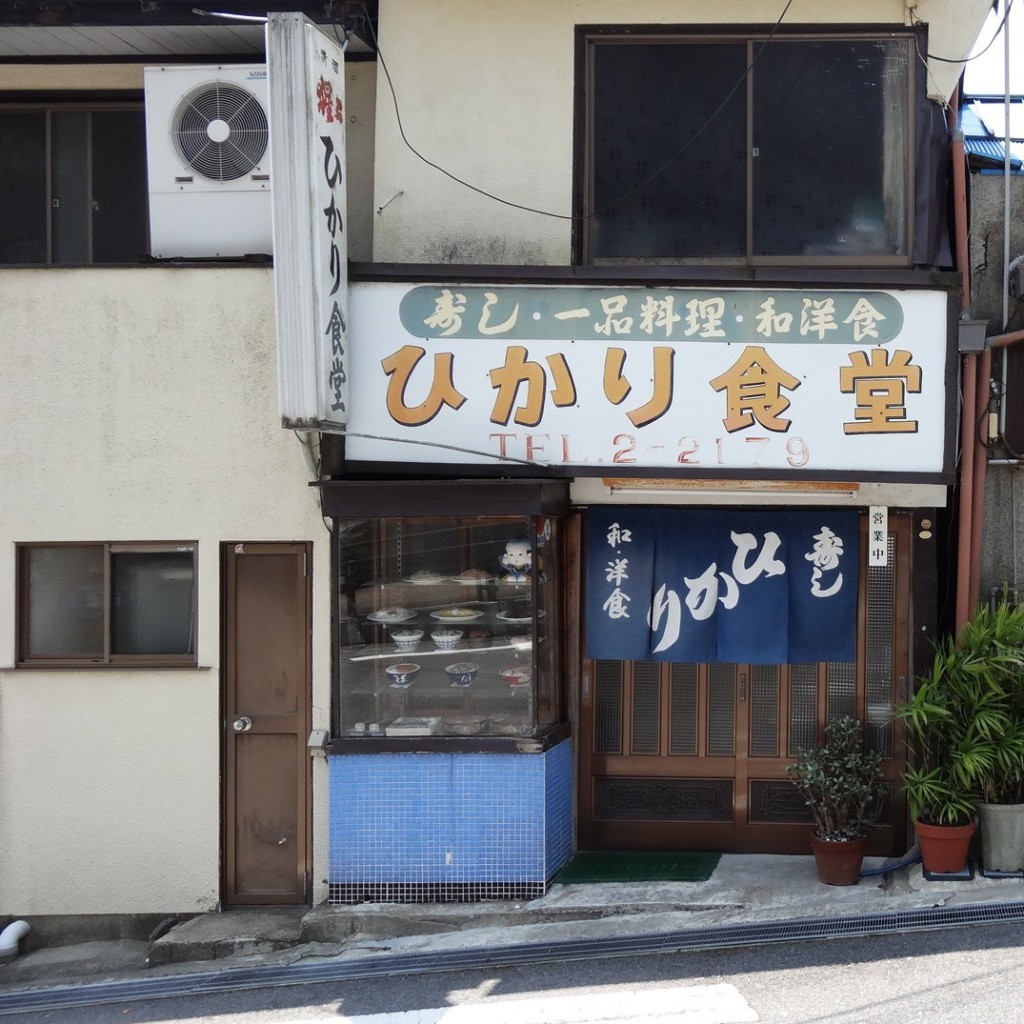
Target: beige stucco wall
[(138, 405), (487, 93)]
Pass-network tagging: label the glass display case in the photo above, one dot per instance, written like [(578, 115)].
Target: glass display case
[(449, 626)]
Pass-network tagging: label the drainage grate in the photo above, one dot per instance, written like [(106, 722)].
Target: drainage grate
[(720, 937)]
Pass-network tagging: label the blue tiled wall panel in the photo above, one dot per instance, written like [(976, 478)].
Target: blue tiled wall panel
[(497, 803), (386, 821), (449, 818), (558, 809)]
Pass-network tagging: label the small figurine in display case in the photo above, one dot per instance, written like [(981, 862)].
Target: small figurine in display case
[(517, 561)]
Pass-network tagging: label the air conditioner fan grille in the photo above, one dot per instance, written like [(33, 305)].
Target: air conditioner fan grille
[(221, 131)]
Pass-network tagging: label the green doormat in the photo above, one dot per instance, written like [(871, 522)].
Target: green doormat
[(639, 867)]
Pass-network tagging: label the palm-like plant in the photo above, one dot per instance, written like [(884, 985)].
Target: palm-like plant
[(965, 723)]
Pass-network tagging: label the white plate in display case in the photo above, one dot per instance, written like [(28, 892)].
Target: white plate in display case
[(456, 615), (473, 577), (424, 576), (391, 615), (519, 619)]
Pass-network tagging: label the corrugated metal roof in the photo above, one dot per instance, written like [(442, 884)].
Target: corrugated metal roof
[(155, 29), (983, 146)]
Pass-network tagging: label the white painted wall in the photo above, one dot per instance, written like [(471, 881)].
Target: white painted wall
[(138, 405), (486, 91)]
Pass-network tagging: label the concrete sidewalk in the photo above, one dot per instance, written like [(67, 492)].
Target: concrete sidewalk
[(745, 894)]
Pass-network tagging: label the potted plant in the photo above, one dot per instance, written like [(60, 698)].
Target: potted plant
[(843, 786), (965, 731), (997, 634)]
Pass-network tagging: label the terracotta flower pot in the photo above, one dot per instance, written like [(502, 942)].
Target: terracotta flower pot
[(838, 861), (944, 847)]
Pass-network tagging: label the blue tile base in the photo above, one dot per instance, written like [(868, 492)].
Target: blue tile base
[(384, 892), (448, 827)]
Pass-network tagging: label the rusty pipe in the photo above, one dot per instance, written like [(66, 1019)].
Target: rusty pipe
[(1002, 340), (967, 454), (980, 441), (960, 219), (968, 509)]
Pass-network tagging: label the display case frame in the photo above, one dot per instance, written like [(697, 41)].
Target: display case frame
[(512, 624)]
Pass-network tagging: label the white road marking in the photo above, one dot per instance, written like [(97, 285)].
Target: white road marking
[(683, 1004)]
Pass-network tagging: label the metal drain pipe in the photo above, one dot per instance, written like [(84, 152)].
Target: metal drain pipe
[(10, 938)]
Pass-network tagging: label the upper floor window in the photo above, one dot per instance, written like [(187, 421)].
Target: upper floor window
[(106, 604), (72, 185), (748, 151)]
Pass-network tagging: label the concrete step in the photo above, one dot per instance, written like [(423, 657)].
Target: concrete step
[(230, 933)]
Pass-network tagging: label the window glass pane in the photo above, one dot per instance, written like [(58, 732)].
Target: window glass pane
[(23, 187), (151, 602), (119, 190), (65, 602), (830, 170), (660, 141), (448, 626), (71, 187)]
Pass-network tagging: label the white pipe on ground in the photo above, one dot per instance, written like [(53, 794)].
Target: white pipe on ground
[(10, 937)]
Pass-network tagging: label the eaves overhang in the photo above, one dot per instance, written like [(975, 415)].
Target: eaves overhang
[(165, 30)]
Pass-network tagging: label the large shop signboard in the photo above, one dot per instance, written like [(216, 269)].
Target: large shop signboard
[(743, 586), (785, 381)]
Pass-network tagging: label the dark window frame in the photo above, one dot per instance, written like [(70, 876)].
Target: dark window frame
[(590, 37), (52, 107), (107, 658)]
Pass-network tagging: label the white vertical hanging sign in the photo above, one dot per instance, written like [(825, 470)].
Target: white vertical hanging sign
[(878, 535), (306, 75)]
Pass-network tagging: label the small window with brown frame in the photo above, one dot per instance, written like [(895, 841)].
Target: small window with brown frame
[(117, 604), (736, 149)]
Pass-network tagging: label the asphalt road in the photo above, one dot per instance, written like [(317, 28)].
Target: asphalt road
[(971, 973)]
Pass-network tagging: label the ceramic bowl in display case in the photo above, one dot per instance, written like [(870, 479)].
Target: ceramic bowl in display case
[(515, 675), (446, 638), (406, 639), (462, 672), (403, 674)]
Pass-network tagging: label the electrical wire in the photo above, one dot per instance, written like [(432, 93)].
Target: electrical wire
[(923, 58), (1000, 392), (625, 195), (368, 20), (449, 447)]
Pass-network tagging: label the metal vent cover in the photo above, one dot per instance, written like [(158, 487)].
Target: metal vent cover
[(221, 131)]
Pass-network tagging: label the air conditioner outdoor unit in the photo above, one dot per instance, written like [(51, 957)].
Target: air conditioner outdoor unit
[(209, 161)]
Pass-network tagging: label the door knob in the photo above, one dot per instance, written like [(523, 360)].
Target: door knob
[(242, 724)]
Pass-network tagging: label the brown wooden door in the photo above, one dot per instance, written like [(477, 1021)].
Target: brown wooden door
[(686, 756), (266, 719)]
